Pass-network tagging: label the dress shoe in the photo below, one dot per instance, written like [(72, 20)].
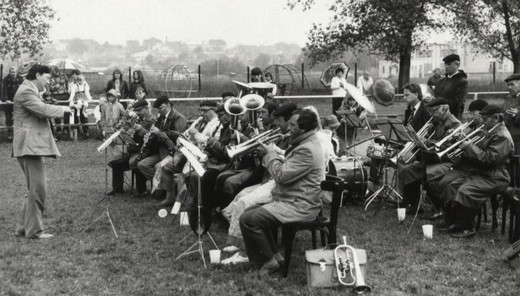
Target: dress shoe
[(114, 192), (230, 249), (449, 229), (269, 268), (235, 259), (434, 216), (466, 233)]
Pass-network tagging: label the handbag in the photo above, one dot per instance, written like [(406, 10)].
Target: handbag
[(321, 269)]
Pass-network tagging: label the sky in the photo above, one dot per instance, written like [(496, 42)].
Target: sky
[(260, 22)]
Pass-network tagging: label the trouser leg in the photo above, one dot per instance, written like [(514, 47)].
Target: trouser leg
[(33, 207), (257, 229), (140, 181), (118, 177), (147, 166)]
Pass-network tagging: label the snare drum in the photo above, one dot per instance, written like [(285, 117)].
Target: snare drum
[(381, 152), (354, 173)]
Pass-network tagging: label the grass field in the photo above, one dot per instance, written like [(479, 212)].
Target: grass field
[(142, 260)]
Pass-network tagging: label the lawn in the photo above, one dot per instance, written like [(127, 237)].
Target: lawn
[(142, 260)]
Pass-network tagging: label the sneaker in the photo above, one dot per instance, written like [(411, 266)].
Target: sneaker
[(230, 249), (235, 259)]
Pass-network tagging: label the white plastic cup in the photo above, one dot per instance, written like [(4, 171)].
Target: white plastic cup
[(176, 208), (184, 219), (344, 158), (427, 231), (163, 213), (214, 256), (401, 214)]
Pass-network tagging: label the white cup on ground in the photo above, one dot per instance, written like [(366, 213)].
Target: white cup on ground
[(214, 256), (184, 218), (427, 231), (401, 214), (163, 213)]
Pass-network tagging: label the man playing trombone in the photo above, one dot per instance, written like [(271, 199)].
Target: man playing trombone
[(480, 173)]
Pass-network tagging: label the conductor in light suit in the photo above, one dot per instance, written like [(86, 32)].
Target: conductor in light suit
[(33, 140)]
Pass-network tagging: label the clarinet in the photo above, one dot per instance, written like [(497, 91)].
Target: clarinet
[(146, 138)]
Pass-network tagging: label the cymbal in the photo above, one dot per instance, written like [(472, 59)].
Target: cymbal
[(358, 95)]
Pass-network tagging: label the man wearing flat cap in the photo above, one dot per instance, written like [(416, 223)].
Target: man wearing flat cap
[(453, 88), (479, 174), (510, 109)]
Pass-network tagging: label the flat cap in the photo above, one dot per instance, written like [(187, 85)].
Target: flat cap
[(161, 100), (477, 105), (513, 77), (490, 110), (450, 58), (140, 104), (285, 110)]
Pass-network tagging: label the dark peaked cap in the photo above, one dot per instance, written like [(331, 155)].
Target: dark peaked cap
[(513, 77), (450, 58), (490, 110), (477, 105)]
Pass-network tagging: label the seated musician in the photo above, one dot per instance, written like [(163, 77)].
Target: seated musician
[(218, 161), (329, 126), (168, 126), (254, 195), (479, 174), (136, 132), (349, 106), (510, 108), (170, 176), (411, 175), (297, 195), (416, 113)]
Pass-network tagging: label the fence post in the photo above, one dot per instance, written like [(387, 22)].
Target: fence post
[(2, 81), (475, 97), (303, 75), (200, 82), (355, 73), (248, 74), (129, 76), (494, 72)]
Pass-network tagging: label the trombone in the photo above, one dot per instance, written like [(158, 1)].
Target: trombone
[(460, 129), (266, 137), (455, 150)]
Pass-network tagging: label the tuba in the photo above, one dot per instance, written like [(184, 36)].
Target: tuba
[(252, 103), (235, 110), (347, 266)]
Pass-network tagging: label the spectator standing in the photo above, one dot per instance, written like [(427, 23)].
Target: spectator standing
[(118, 83), (432, 81), (138, 82), (10, 85), (364, 83), (337, 85), (79, 99)]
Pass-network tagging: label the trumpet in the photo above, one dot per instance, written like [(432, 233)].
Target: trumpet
[(347, 266), (235, 109), (410, 147), (266, 137), (459, 129), (455, 150)]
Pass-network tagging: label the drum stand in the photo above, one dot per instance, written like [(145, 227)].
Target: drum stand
[(385, 191), (197, 246)]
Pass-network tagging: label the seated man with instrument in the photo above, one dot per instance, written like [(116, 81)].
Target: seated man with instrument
[(410, 171), (218, 160), (169, 176), (132, 134), (510, 108), (479, 173), (254, 195), (416, 114), (167, 129), (297, 195)]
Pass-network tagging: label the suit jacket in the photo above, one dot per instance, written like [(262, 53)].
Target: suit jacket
[(173, 125), (32, 131), (419, 119), (123, 88), (297, 195)]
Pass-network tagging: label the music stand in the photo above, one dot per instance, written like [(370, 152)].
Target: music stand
[(197, 246), (101, 148), (394, 131), (350, 119)]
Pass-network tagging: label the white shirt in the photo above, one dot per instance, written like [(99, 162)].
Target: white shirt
[(337, 90), (363, 84)]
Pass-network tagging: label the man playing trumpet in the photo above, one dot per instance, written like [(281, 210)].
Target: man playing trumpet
[(480, 173), (510, 108)]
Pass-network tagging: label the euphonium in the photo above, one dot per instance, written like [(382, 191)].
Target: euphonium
[(252, 103), (407, 154), (235, 110), (348, 268), (266, 137)]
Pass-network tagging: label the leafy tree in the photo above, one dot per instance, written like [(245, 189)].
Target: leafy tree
[(392, 28), (217, 44), (24, 27), (77, 46), (491, 25)]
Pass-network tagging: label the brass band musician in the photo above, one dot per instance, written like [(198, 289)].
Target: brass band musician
[(510, 109)]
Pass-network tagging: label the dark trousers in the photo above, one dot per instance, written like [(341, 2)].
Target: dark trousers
[(336, 103), (8, 111), (31, 213), (257, 227), (119, 166), (79, 117)]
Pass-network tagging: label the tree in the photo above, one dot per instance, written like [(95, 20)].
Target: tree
[(77, 46), (491, 25), (392, 28), (24, 27), (217, 44)]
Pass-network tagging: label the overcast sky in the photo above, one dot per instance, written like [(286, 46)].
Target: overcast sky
[(192, 21)]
